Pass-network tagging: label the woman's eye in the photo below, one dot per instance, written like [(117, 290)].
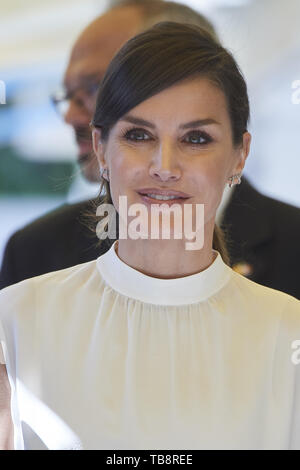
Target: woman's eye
[(197, 138), (136, 135)]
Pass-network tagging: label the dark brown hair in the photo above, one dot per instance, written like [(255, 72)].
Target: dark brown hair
[(158, 58)]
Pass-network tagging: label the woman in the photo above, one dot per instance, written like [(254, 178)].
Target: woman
[(153, 345)]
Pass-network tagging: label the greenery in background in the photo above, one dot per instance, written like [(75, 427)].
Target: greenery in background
[(19, 176)]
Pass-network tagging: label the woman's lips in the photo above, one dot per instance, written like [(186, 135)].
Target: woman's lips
[(150, 200)]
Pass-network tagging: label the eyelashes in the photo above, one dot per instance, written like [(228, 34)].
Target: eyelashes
[(201, 137), (137, 132), (137, 135)]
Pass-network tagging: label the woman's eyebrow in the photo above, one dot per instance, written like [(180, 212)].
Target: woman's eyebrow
[(199, 122), (190, 124), (136, 120)]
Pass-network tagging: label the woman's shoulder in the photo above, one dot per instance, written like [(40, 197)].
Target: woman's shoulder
[(34, 307), (53, 276), (42, 288), (266, 300)]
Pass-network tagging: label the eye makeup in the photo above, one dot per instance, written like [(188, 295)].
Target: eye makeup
[(137, 135)]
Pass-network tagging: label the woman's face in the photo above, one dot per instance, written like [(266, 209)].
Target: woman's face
[(181, 140)]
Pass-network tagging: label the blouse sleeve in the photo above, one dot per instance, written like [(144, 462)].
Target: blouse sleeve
[(296, 418), (15, 301), (2, 360), (295, 363), (2, 339)]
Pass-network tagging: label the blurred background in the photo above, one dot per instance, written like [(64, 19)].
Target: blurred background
[(38, 170)]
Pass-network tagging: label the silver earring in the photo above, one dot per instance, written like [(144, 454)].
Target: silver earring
[(233, 177), (104, 173)]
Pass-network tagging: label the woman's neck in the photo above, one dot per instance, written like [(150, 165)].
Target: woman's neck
[(165, 259)]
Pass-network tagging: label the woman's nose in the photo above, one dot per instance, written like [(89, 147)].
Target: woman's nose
[(165, 163)]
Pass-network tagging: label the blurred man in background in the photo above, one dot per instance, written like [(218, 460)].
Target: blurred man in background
[(262, 232)]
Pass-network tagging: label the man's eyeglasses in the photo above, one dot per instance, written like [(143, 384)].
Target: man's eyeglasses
[(84, 96)]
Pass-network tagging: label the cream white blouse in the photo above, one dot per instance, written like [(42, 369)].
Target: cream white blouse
[(101, 356)]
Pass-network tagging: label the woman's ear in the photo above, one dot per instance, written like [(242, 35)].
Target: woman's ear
[(246, 144), (244, 152), (98, 146)]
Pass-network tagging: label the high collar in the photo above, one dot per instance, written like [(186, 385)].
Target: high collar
[(179, 291)]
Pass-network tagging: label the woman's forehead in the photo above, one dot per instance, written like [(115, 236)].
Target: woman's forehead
[(190, 100)]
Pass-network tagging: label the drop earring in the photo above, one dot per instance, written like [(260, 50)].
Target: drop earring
[(232, 178), (104, 173)]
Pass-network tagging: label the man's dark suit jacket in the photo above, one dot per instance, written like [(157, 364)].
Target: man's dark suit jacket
[(263, 234)]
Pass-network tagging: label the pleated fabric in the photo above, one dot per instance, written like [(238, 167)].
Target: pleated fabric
[(102, 356)]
